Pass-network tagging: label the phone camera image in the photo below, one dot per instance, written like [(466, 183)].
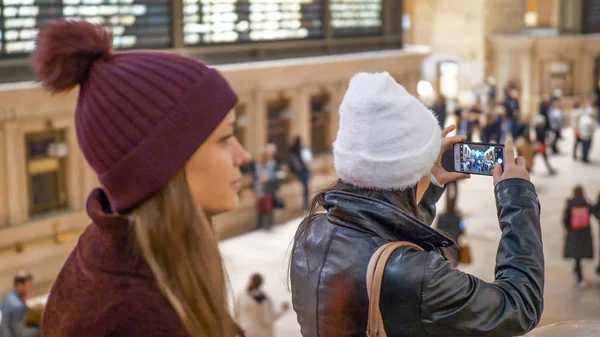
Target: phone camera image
[(480, 158)]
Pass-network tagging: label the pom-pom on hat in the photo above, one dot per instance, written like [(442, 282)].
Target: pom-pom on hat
[(140, 115), (387, 138)]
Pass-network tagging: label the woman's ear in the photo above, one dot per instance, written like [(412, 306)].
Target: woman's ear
[(422, 186)]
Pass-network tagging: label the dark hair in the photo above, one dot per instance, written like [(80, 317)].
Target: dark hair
[(256, 280), (403, 199), (576, 105), (22, 278), (578, 193)]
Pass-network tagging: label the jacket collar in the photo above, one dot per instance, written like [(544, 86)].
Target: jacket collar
[(109, 247), (380, 218), (99, 210)]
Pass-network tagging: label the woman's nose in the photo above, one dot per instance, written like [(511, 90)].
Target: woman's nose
[(241, 155)]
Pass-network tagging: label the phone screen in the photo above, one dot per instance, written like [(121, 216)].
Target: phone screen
[(480, 158)]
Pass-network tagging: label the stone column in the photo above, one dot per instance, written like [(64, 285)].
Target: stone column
[(584, 84), (3, 189), (548, 14), (526, 67), (90, 180), (337, 95), (300, 124), (502, 71), (257, 114), (16, 173), (75, 171)]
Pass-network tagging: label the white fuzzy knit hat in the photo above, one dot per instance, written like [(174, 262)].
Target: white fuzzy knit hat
[(387, 138)]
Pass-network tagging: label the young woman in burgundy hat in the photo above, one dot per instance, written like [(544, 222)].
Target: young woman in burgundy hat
[(157, 128)]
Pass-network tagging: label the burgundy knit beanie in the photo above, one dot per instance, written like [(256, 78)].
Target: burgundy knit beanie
[(140, 115)]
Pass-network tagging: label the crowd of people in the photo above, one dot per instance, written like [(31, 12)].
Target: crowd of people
[(149, 263), (534, 135)]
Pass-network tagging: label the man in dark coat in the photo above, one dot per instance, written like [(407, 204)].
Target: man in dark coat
[(440, 110), (511, 107)]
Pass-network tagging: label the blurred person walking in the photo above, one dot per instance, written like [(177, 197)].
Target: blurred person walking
[(440, 108), (597, 91), (275, 176), (586, 128), (390, 179), (557, 122), (596, 212), (263, 189), (522, 139), (541, 138), (300, 164), (576, 114), (158, 129), (451, 223), (492, 131), (254, 310), (544, 108), (14, 309), (511, 109), (578, 242)]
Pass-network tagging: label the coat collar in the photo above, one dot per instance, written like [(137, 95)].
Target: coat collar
[(382, 219)]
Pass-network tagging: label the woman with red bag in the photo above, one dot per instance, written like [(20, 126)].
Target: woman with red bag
[(576, 219)]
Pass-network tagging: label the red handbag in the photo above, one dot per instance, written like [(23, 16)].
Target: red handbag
[(540, 147), (580, 217)]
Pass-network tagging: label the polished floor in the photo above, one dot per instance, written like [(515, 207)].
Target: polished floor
[(268, 252)]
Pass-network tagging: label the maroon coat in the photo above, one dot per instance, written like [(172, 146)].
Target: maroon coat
[(105, 288)]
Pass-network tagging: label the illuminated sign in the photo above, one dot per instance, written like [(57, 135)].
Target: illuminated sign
[(355, 18), (134, 23), (231, 21)]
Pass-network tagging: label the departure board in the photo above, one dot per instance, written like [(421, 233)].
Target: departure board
[(591, 16), (209, 22), (355, 18), (136, 24)]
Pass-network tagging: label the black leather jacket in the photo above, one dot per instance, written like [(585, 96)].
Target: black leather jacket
[(422, 295)]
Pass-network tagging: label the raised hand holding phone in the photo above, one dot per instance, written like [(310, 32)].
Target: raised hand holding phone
[(513, 167), (440, 173)]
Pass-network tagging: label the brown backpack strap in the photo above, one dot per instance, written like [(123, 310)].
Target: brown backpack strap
[(375, 272)]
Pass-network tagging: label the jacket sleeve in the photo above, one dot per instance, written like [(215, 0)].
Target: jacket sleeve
[(427, 205), (457, 304)]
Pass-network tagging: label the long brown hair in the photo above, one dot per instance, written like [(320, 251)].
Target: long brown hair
[(180, 246)]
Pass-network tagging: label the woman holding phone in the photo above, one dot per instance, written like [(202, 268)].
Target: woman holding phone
[(388, 158), (157, 128)]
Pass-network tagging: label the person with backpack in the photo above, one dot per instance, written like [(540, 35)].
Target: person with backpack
[(387, 155), (578, 241)]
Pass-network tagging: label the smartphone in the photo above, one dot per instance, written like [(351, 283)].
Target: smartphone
[(473, 158)]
